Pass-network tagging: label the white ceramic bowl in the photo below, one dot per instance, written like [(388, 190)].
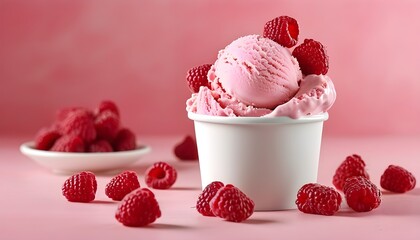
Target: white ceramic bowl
[(267, 158), (67, 163)]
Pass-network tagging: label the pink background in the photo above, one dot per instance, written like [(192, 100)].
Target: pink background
[(63, 53), (56, 53)]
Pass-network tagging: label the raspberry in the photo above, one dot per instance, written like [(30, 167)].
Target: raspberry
[(107, 124), (397, 179), (62, 113), (79, 123), (231, 204), (203, 202), (121, 185), (125, 140), (107, 105), (68, 143), (138, 208), (100, 146), (352, 166), (312, 57), (160, 176), (80, 187), (318, 199), (361, 194), (46, 138), (187, 149), (284, 30), (197, 77)]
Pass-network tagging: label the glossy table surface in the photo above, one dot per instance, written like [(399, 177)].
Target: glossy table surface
[(33, 207)]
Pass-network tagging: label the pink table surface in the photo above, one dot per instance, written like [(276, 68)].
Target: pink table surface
[(32, 206)]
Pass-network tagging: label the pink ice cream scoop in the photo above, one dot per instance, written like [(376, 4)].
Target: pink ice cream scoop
[(254, 77), (257, 72)]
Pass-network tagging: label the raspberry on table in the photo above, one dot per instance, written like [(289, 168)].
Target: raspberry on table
[(68, 143), (100, 146), (138, 208), (107, 124), (80, 187), (197, 77), (160, 176), (312, 57), (187, 149), (79, 123), (315, 198), (361, 194), (232, 204), (107, 105), (353, 165), (284, 30), (121, 185), (125, 140), (45, 138), (203, 202), (397, 179)]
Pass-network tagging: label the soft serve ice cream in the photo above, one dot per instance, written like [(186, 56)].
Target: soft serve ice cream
[(259, 76)]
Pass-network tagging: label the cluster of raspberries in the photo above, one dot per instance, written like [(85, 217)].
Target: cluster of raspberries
[(78, 129), (353, 180), (138, 206)]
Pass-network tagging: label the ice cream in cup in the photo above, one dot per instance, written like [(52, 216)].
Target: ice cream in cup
[(258, 118)]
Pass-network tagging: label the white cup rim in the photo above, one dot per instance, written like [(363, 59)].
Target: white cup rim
[(256, 120)]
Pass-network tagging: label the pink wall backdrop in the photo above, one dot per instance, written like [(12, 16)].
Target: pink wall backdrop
[(64, 53)]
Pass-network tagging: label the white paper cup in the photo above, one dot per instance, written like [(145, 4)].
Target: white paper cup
[(269, 159)]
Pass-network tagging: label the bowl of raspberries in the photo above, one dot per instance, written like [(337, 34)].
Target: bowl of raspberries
[(83, 139)]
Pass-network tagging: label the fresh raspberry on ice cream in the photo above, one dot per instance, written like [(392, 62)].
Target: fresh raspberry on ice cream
[(197, 77), (312, 57), (284, 30)]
